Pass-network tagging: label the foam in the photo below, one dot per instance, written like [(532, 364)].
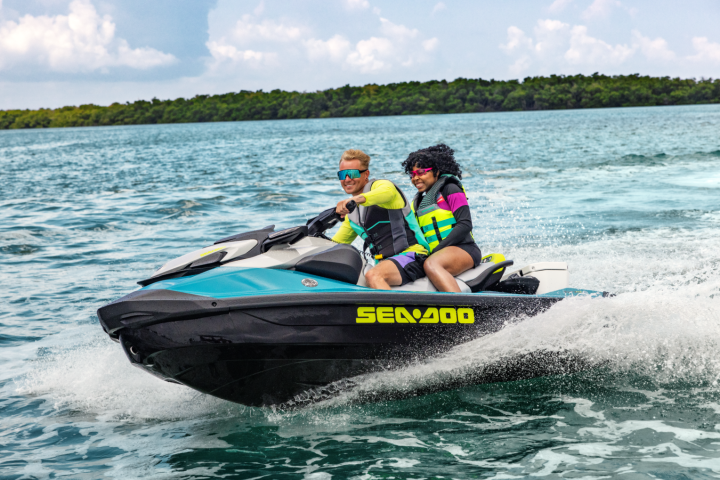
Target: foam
[(664, 323), (666, 337), (95, 377)]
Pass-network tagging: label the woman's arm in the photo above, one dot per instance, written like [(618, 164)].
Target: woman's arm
[(456, 200)]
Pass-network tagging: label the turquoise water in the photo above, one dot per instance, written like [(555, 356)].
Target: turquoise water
[(630, 198)]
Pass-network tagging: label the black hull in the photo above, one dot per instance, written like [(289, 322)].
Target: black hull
[(268, 350)]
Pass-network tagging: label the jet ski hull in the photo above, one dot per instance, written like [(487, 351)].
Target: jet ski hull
[(268, 349), (288, 314)]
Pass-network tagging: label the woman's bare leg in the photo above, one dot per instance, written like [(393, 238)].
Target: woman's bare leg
[(441, 267)]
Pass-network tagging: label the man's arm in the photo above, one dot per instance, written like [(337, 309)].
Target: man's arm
[(383, 192), (345, 234)]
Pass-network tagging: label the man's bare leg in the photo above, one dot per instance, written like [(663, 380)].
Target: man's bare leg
[(383, 275)]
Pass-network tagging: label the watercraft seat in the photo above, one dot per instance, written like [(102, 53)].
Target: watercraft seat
[(474, 280), (484, 275), (341, 262), (425, 285)]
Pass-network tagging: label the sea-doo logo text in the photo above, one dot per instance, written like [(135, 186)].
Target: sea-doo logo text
[(402, 315)]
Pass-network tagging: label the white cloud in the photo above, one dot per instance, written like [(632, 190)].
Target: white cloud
[(397, 32), (559, 5), (652, 49), (430, 44), (587, 50), (397, 46), (246, 31), (707, 51), (246, 44), (265, 47), (357, 4), (336, 48), (600, 9), (558, 46), (222, 51), (517, 41), (81, 41), (520, 65), (369, 54), (439, 7), (260, 8), (550, 35), (603, 9)]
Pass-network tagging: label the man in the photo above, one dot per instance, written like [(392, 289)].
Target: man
[(383, 219)]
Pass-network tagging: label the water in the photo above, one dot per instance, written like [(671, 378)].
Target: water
[(628, 197)]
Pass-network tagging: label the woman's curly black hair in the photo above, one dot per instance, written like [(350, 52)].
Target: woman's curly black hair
[(440, 158)]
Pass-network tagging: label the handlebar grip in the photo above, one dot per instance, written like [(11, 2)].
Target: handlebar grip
[(351, 205)]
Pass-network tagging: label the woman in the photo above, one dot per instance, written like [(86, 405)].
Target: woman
[(443, 213)]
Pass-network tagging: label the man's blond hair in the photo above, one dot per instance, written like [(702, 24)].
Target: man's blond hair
[(353, 154)]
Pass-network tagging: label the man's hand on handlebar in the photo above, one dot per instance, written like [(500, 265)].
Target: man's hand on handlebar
[(342, 206)]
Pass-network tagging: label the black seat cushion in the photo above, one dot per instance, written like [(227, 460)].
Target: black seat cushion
[(341, 262)]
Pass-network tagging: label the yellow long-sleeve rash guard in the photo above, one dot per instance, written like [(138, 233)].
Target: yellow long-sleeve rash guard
[(383, 194)]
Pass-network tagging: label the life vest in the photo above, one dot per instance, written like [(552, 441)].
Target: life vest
[(436, 223), (386, 231)]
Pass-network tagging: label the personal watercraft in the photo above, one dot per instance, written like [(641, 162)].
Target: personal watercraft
[(261, 317)]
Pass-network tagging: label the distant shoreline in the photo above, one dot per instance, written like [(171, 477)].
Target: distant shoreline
[(556, 92)]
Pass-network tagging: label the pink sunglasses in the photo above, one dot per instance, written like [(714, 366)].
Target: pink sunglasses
[(417, 173)]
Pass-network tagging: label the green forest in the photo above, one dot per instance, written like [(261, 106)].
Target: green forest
[(462, 95)]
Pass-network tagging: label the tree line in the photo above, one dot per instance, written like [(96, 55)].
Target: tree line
[(462, 95)]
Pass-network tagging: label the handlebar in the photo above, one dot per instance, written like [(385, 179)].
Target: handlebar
[(327, 219)]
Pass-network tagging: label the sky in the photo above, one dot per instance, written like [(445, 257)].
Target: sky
[(55, 53)]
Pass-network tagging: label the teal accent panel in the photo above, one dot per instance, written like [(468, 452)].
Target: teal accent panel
[(562, 293), (230, 282), (358, 229), (446, 222), (411, 219), (378, 223), (572, 292)]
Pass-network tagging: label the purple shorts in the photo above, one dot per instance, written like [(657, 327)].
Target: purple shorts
[(410, 265)]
